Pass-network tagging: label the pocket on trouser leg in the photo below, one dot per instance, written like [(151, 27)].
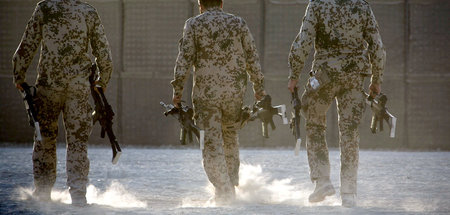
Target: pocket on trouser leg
[(305, 101), (318, 79)]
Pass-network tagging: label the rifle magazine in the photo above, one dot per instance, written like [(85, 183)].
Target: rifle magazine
[(202, 139), (116, 157), (393, 124), (38, 131), (297, 146), (282, 113)]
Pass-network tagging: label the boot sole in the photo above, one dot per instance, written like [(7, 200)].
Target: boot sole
[(328, 192)]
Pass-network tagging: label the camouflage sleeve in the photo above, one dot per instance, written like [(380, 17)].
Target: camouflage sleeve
[(302, 44), (377, 54), (100, 48), (185, 59), (27, 48), (253, 66)]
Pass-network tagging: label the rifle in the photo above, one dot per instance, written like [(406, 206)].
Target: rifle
[(295, 121), (104, 115), (184, 115), (28, 94), (264, 110), (380, 113)]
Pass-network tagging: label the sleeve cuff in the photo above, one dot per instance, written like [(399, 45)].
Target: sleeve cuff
[(102, 83), (293, 75), (258, 88), (18, 80), (177, 91), (21, 81), (376, 79)]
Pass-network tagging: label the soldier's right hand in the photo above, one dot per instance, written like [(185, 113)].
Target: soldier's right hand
[(97, 83), (19, 87), (375, 89)]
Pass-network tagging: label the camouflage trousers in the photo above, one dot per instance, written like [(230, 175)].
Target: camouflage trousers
[(346, 89), (74, 105), (220, 120)]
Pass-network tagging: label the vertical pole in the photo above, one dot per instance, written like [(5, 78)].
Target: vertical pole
[(406, 70), (191, 8), (120, 78), (262, 35)]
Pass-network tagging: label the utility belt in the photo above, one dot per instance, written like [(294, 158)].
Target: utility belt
[(321, 78)]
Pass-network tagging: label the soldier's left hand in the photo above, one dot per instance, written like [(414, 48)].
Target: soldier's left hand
[(176, 100), (97, 84), (259, 96), (292, 84)]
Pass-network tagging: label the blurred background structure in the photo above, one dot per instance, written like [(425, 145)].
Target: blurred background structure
[(144, 38)]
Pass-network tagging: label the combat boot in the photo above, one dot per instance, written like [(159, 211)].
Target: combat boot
[(224, 200), (79, 201), (42, 194), (348, 200), (78, 198), (323, 189), (234, 181), (227, 197)]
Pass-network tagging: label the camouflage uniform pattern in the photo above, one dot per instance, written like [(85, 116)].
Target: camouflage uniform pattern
[(222, 50), (348, 47), (64, 29)]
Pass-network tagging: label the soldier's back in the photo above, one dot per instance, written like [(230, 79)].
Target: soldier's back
[(218, 36), (340, 23), (65, 34), (220, 59)]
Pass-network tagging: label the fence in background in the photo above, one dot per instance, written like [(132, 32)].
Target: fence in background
[(144, 37)]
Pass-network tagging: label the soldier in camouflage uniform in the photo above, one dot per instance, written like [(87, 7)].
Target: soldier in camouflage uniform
[(221, 48), (347, 47), (64, 29)]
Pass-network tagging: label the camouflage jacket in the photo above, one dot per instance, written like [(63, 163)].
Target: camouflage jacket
[(345, 36), (222, 50), (64, 28)]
